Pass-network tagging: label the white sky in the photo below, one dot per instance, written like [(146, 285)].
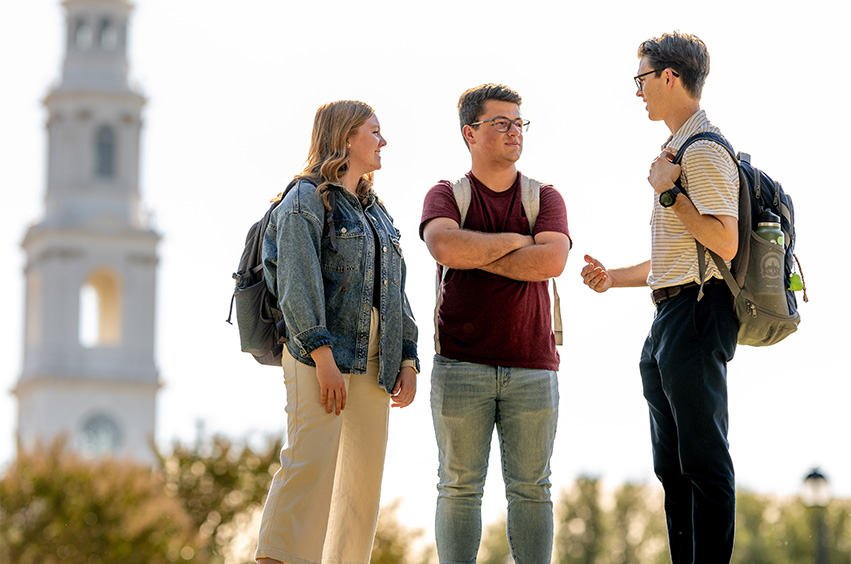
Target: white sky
[(232, 90)]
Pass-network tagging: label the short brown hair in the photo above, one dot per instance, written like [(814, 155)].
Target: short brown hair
[(685, 53), (471, 104)]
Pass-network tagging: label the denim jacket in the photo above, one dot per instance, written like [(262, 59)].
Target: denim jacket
[(306, 275)]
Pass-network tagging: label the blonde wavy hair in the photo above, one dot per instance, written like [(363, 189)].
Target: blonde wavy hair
[(327, 158)]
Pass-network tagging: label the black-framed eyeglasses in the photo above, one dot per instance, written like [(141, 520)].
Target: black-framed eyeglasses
[(503, 124), (640, 83)]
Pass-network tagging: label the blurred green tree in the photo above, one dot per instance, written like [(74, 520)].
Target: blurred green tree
[(581, 529), (56, 507), (203, 508), (638, 534), (838, 520), (757, 523), (222, 486), (627, 526), (394, 543), (494, 548), (776, 530)]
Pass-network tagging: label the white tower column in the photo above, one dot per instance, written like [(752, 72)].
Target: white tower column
[(89, 372)]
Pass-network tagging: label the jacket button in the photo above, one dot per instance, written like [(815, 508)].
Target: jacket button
[(384, 249), (343, 230)]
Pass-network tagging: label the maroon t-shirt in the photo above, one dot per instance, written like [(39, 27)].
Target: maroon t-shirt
[(486, 318)]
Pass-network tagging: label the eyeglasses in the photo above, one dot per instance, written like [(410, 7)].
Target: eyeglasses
[(640, 83), (503, 124)]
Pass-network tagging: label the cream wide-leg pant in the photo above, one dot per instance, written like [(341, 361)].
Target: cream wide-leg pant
[(323, 503)]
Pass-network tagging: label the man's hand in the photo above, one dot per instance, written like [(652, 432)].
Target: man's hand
[(595, 275), (663, 172)]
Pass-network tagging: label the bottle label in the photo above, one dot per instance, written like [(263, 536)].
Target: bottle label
[(770, 232)]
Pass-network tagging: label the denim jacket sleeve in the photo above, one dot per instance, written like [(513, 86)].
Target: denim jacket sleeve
[(409, 325), (295, 268), (409, 331)]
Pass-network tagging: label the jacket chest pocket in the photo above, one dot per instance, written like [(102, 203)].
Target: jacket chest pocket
[(350, 239)]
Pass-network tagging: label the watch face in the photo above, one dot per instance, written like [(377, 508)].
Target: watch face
[(99, 435), (667, 198)]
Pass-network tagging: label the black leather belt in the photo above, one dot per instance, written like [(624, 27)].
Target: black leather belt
[(662, 294)]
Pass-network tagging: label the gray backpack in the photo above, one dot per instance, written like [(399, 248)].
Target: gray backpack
[(530, 197), (262, 331), (759, 267)]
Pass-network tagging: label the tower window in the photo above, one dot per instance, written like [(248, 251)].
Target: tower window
[(108, 35), (100, 309), (82, 35), (105, 152)]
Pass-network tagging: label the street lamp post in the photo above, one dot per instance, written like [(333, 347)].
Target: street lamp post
[(815, 493)]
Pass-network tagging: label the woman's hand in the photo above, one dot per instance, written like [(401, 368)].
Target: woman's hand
[(405, 389), (331, 384)]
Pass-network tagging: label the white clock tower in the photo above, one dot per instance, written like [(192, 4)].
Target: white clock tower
[(88, 370)]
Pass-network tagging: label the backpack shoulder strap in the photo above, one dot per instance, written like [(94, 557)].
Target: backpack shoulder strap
[(463, 193), (706, 136), (530, 197), (744, 212)]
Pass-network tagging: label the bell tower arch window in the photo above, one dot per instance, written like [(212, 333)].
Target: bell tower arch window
[(105, 152), (82, 35), (101, 309), (107, 35)]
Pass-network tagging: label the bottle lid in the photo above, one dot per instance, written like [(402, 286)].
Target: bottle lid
[(768, 216)]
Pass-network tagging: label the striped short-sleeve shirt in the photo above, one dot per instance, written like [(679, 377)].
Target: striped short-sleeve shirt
[(711, 180)]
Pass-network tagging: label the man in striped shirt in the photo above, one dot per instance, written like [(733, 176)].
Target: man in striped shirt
[(684, 361)]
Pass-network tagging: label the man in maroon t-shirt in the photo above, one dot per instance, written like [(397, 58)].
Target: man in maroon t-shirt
[(497, 359)]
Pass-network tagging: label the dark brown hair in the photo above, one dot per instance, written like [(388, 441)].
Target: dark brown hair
[(471, 104), (685, 53)]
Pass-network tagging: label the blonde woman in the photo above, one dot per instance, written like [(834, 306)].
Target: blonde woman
[(352, 345)]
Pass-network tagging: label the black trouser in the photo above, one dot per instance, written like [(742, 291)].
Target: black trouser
[(684, 374)]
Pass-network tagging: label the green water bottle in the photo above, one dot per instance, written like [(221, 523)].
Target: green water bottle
[(768, 227), (770, 288)]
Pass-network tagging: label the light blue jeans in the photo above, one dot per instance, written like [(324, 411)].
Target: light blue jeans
[(467, 400)]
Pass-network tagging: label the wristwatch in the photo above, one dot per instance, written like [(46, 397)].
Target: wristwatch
[(668, 197)]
